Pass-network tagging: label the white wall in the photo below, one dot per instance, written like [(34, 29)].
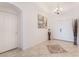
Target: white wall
[(61, 23), (64, 21), (31, 34)]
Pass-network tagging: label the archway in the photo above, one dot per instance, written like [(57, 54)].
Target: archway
[(10, 25)]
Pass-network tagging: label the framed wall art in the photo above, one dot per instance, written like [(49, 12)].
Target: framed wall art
[(42, 21)]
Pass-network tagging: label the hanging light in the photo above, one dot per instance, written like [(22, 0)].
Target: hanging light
[(58, 10)]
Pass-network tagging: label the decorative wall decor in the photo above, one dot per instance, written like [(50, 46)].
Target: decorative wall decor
[(42, 21)]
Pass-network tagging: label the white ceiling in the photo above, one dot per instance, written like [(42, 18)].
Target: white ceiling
[(50, 6)]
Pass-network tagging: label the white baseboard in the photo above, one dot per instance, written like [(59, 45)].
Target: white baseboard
[(62, 40), (25, 48)]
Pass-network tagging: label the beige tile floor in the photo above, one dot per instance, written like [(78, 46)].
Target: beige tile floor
[(41, 50)]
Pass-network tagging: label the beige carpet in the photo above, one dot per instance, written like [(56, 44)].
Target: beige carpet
[(55, 49)]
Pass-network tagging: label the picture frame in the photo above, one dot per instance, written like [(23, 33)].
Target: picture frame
[(42, 21)]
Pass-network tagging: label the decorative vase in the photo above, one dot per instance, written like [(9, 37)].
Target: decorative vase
[(49, 34), (75, 31)]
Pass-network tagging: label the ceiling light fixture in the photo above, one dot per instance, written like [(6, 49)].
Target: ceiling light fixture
[(58, 10)]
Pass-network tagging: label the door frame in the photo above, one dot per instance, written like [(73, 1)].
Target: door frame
[(19, 29)]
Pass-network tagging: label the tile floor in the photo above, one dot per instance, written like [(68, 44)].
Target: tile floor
[(41, 50)]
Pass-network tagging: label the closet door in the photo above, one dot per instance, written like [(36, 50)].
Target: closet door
[(8, 31)]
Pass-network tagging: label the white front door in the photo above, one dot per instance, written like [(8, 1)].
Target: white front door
[(8, 31)]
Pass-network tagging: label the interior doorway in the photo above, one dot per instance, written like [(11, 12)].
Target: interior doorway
[(9, 27)]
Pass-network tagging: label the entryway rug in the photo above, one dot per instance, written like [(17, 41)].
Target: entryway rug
[(55, 49)]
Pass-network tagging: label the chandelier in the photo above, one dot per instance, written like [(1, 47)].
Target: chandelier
[(58, 10)]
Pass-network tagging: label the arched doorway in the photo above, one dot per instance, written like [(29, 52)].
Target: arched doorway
[(9, 27)]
